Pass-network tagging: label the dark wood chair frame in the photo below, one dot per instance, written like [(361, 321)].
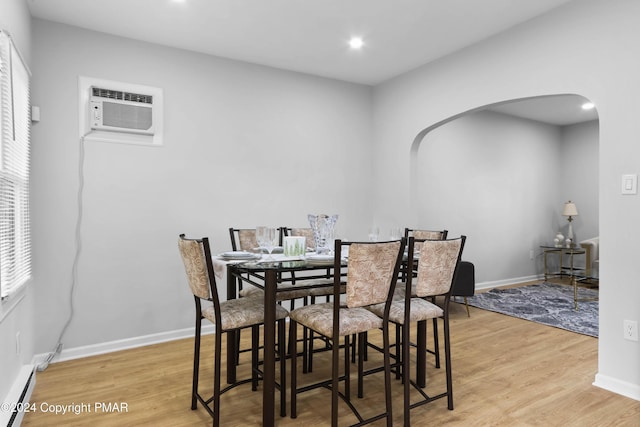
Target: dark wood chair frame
[(421, 362), (308, 336), (256, 373), (333, 383), (422, 328), (235, 246), (408, 232)]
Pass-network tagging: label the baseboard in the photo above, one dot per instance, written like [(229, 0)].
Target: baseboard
[(505, 282), (118, 345), (617, 386), (18, 397)]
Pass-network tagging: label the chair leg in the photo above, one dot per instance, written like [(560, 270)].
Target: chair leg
[(216, 378), (293, 330), (387, 375), (447, 358), (362, 343), (366, 347), (335, 373), (305, 337), (399, 352), (354, 342), (308, 352), (436, 342), (406, 356), (237, 355), (292, 344), (283, 367), (308, 347), (466, 303), (347, 368), (196, 364), (255, 343), (421, 353)]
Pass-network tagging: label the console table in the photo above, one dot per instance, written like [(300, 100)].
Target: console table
[(571, 271), (564, 255)]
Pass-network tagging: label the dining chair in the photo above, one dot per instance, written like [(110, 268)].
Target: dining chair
[(322, 287), (226, 316), (244, 239), (420, 234), (436, 271), (306, 232), (370, 279)]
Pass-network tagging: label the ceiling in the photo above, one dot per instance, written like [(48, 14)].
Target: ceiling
[(559, 110), (309, 36)]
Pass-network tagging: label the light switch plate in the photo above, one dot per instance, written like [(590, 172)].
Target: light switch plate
[(630, 184)]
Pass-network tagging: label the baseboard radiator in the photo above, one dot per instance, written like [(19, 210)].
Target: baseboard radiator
[(19, 397)]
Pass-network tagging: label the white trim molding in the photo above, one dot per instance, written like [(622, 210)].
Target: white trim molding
[(506, 282), (124, 344), (614, 385)]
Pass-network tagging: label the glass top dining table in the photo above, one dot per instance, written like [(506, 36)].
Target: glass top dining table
[(266, 275)]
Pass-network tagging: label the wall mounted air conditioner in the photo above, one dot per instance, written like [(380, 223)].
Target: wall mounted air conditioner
[(120, 111)]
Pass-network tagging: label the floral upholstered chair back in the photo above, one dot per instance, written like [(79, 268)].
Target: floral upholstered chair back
[(247, 239), (195, 265), (425, 235), (437, 266), (307, 233), (373, 268), (429, 234)]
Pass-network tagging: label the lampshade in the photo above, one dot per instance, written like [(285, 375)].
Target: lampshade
[(570, 209)]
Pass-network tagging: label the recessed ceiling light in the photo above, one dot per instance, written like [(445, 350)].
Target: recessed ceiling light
[(356, 43), (588, 106)]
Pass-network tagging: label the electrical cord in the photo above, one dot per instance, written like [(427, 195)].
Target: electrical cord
[(74, 269)]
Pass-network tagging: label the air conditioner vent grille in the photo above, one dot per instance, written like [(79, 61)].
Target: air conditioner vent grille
[(124, 96)]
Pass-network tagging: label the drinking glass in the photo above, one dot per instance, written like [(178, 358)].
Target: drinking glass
[(261, 236), (270, 240)]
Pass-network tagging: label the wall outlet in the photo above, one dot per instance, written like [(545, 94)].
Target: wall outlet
[(531, 254), (631, 330)]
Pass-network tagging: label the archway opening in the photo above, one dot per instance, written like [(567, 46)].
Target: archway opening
[(501, 174)]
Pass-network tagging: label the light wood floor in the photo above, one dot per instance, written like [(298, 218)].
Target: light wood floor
[(507, 372)]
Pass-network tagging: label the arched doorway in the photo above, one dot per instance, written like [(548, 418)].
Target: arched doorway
[(500, 174)]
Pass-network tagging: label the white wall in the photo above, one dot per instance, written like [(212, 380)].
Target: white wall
[(243, 145), (495, 179), (579, 177), (584, 48), (135, 205), (502, 181), (16, 314)]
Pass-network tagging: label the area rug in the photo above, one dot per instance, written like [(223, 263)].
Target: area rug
[(547, 303)]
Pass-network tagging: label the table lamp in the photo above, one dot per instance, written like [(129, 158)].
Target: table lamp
[(570, 211)]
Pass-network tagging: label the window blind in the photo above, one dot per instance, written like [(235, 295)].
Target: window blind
[(15, 134)]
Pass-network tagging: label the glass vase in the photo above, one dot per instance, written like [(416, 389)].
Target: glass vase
[(323, 227)]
